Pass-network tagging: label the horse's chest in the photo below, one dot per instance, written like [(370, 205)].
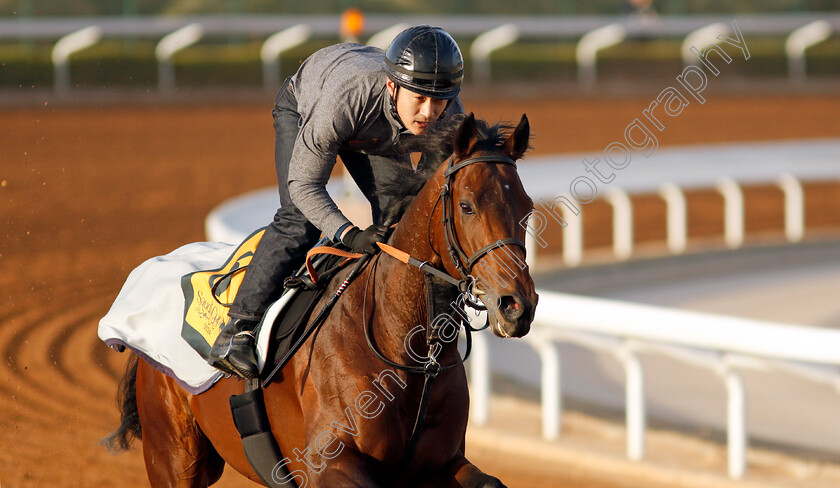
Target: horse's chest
[(377, 420)]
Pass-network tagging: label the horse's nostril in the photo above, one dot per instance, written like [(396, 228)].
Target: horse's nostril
[(511, 307)]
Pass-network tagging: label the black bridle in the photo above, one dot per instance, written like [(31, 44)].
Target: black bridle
[(459, 258), (464, 264)]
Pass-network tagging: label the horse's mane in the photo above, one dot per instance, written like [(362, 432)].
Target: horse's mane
[(435, 145)]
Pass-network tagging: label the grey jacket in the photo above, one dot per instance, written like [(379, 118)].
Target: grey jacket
[(344, 105)]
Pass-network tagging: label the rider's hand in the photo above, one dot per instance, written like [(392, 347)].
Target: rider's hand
[(365, 240)]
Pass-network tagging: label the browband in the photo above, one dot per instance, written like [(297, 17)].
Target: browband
[(496, 158)]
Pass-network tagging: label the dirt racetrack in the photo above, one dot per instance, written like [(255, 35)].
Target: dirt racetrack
[(89, 192)]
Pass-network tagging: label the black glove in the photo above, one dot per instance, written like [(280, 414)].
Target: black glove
[(365, 240)]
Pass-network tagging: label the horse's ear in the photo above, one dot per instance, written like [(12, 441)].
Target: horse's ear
[(517, 144), (465, 137)]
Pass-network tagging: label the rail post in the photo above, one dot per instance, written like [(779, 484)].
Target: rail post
[(798, 42), (677, 217), (702, 37), (733, 201), (65, 47), (794, 207), (480, 380), (635, 409), (736, 420), (485, 44), (275, 45), (622, 223), (552, 390), (572, 237), (586, 51), (168, 46)]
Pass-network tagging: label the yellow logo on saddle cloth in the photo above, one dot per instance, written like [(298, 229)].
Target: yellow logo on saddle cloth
[(208, 295)]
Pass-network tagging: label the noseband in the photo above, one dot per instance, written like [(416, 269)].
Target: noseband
[(459, 258), (464, 265)]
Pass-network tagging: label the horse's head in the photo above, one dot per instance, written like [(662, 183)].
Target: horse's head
[(483, 203)]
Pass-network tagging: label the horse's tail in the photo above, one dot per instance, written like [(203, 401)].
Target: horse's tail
[(129, 427)]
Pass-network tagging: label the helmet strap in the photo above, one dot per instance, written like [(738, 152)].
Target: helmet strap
[(394, 106)]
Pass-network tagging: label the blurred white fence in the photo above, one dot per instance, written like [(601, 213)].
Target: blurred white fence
[(724, 345), (670, 173), (592, 32)]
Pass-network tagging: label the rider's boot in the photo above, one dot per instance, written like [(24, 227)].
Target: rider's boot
[(233, 352)]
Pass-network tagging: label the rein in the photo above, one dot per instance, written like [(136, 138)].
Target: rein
[(465, 286), (430, 370)]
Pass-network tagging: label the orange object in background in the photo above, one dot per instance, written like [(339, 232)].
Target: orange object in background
[(352, 24)]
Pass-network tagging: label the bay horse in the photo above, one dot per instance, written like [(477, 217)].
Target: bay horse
[(341, 415)]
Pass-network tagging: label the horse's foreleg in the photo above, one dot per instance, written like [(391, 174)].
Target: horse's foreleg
[(176, 452), (463, 474), (348, 470), (471, 477)]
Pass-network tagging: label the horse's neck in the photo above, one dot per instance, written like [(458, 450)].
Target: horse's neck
[(413, 234), (400, 288)]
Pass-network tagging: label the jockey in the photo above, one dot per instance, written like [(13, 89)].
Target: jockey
[(350, 101)]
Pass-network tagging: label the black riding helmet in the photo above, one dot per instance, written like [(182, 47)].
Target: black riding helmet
[(426, 60)]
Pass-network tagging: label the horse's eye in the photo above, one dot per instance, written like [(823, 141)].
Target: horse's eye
[(466, 208)]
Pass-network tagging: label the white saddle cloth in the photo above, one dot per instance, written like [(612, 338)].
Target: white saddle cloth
[(148, 314)]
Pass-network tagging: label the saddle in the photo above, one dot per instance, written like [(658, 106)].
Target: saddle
[(209, 294)]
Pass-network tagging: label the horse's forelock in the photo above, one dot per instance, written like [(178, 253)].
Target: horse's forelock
[(491, 137), (439, 140)]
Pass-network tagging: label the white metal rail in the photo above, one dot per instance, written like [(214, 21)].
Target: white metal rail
[(722, 344), (670, 173), (489, 32)]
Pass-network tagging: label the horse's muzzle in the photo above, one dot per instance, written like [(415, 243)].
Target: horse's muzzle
[(513, 316)]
